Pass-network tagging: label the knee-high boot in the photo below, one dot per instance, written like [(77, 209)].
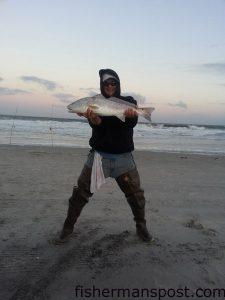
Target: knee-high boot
[(129, 183), (76, 204), (77, 201)]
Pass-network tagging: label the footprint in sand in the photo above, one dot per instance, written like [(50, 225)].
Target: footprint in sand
[(193, 223)]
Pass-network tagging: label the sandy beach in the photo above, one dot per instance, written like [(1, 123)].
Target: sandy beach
[(185, 211)]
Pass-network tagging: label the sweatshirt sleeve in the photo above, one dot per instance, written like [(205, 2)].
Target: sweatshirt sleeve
[(131, 122), (96, 126)]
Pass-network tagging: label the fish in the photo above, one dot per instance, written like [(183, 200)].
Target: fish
[(108, 107)]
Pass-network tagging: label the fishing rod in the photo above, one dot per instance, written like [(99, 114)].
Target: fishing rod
[(50, 128), (13, 126)]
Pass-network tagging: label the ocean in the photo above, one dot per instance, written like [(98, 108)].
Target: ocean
[(182, 138)]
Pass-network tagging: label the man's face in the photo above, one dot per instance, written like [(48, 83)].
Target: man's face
[(110, 86)]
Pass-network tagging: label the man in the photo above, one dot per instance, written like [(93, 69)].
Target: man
[(112, 139)]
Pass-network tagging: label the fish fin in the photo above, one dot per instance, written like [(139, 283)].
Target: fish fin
[(121, 117), (120, 101), (146, 112), (93, 106)]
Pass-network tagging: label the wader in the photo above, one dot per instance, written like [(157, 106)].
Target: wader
[(128, 182)]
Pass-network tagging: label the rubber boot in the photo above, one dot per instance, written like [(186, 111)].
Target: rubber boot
[(129, 183), (77, 201)]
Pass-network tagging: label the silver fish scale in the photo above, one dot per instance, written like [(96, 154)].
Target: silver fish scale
[(108, 107)]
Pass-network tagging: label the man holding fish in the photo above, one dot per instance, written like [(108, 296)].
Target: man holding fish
[(112, 118)]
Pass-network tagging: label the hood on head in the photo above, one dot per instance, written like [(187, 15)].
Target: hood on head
[(105, 74)]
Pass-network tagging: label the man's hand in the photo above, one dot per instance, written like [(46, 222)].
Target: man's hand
[(130, 113), (91, 116)]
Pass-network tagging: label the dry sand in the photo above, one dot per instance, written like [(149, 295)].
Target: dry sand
[(185, 208)]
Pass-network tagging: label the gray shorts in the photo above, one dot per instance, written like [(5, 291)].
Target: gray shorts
[(113, 165)]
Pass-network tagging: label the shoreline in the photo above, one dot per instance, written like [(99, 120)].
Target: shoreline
[(59, 147)]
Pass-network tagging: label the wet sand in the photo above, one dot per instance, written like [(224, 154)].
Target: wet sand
[(185, 211)]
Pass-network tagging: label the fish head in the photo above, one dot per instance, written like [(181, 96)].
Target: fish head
[(79, 106), (69, 107)]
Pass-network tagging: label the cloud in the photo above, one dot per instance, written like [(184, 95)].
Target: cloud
[(65, 98), (1, 78), (216, 45), (90, 91), (180, 104), (49, 85), (9, 92), (218, 68)]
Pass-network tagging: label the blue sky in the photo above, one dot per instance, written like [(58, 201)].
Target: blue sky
[(169, 53)]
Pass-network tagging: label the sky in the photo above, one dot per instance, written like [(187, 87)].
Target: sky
[(169, 54)]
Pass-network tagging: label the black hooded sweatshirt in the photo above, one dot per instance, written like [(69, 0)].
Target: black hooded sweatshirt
[(113, 135)]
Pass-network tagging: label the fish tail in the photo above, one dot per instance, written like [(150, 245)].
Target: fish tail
[(146, 112)]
